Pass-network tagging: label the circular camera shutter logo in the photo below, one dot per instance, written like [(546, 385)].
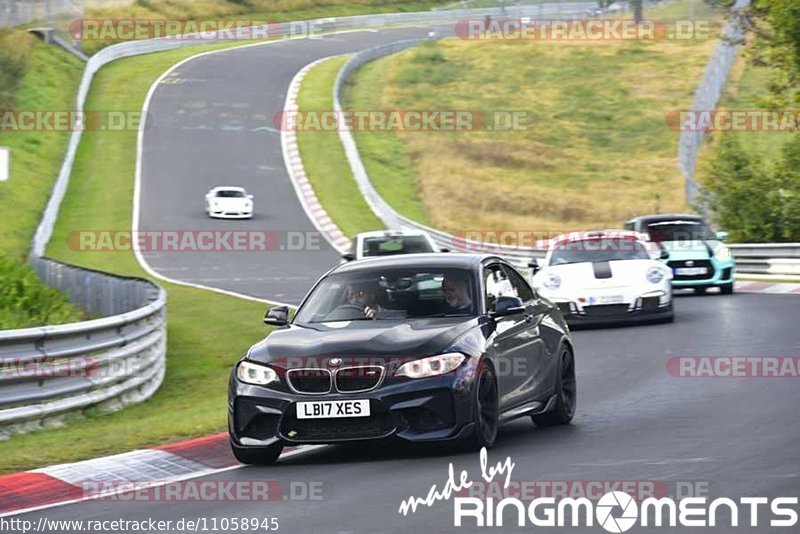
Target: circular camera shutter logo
[(606, 505)]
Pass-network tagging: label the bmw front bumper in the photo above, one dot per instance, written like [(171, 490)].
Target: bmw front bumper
[(423, 409)]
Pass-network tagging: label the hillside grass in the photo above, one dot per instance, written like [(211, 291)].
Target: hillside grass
[(33, 76), (207, 331), (324, 158), (597, 150), (255, 11)]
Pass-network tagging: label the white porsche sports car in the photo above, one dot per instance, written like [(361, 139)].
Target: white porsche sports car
[(228, 202), (608, 276)]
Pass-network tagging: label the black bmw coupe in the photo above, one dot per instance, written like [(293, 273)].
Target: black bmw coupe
[(421, 347)]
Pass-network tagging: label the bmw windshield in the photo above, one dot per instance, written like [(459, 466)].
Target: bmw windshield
[(390, 294), (598, 249)]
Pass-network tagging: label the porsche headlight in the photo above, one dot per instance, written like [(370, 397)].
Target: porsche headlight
[(253, 373), (552, 281), (655, 275), (722, 253), (432, 366)]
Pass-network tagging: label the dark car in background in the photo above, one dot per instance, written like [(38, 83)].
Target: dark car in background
[(420, 347)]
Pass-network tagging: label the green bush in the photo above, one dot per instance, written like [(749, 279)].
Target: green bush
[(755, 203), (25, 301)]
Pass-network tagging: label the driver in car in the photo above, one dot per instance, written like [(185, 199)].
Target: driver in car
[(457, 299), (364, 296)]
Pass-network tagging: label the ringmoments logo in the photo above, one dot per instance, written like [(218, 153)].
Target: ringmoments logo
[(615, 511)]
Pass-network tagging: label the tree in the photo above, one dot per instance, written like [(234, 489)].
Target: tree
[(737, 195), (787, 177)]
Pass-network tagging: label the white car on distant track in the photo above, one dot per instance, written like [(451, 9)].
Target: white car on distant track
[(388, 242), (609, 276), (229, 202)]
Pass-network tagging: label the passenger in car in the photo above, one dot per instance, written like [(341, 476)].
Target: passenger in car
[(456, 295)]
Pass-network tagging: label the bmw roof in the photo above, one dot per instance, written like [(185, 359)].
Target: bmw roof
[(426, 260)]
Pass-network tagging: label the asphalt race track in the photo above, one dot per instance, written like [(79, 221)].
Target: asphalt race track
[(210, 122), (635, 422)]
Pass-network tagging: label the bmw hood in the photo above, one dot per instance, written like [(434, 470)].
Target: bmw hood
[(407, 338)]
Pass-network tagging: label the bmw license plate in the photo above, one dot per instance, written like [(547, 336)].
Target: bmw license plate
[(332, 409), (691, 271)]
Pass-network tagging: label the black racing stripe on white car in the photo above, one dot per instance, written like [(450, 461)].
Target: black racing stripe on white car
[(602, 269)]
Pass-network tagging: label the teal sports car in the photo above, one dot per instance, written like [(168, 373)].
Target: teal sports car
[(697, 256)]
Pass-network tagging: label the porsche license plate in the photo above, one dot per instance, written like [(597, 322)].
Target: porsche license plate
[(332, 409), (606, 299), (691, 271)]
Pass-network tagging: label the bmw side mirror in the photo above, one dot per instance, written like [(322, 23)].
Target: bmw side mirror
[(722, 236), (664, 254), (348, 256), (507, 306), (277, 316), (533, 265), (251, 197)]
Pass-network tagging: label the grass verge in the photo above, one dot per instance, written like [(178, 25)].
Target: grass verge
[(324, 158), (207, 332), (596, 151)]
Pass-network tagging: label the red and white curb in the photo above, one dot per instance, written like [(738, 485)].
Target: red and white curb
[(297, 173), (91, 479), (773, 288)]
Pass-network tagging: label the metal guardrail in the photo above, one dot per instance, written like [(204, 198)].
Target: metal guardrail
[(709, 92), (778, 259), (49, 372)]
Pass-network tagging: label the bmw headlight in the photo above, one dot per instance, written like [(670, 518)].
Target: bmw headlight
[(655, 275), (253, 373), (432, 366), (722, 253), (552, 281)]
